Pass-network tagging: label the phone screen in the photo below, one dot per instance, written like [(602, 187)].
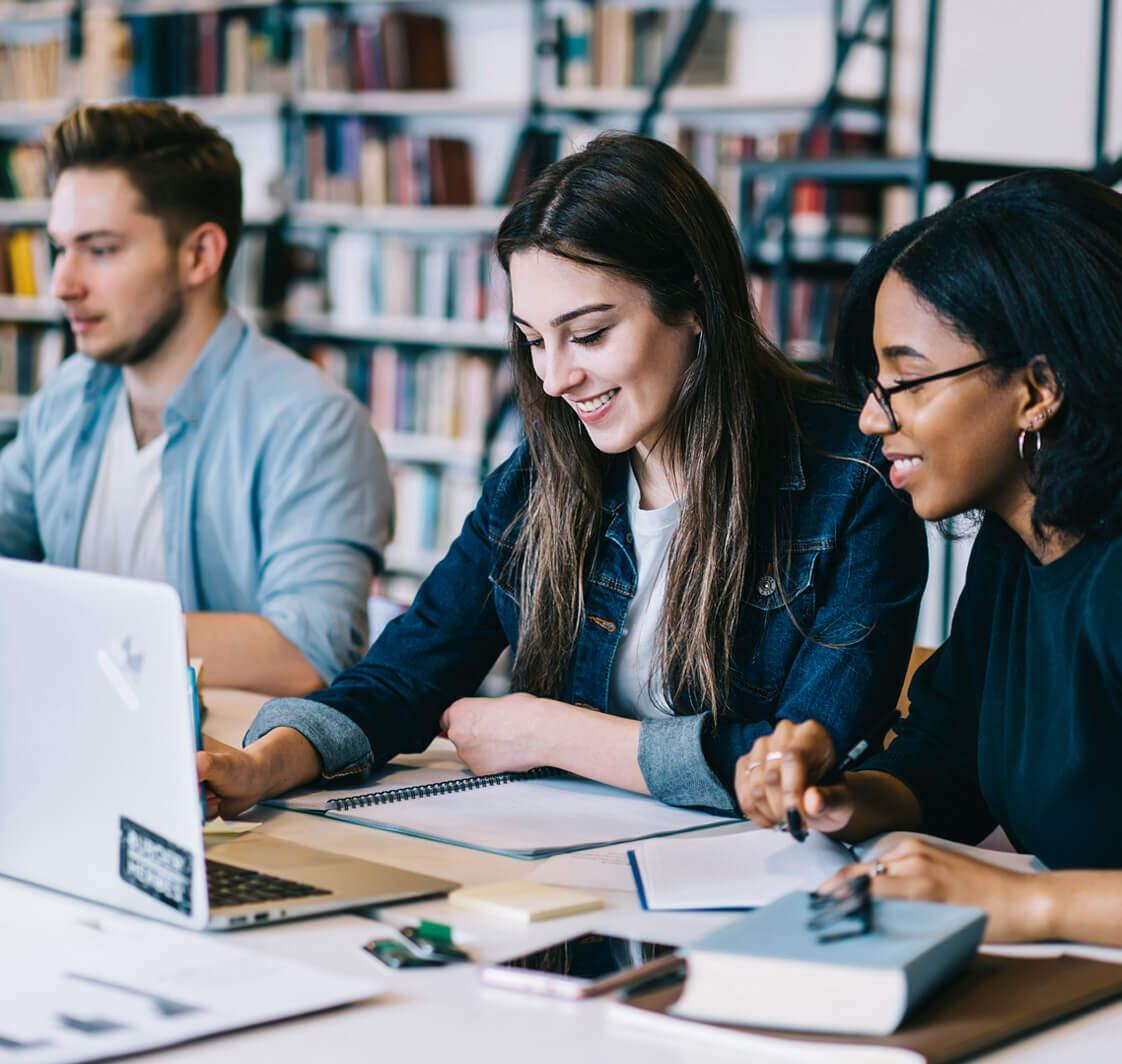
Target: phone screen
[(591, 956)]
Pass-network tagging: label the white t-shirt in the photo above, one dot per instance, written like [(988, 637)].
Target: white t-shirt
[(634, 690), (124, 527)]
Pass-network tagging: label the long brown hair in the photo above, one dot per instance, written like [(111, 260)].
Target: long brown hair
[(636, 207)]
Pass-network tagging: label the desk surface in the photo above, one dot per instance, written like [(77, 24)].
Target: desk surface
[(446, 1014)]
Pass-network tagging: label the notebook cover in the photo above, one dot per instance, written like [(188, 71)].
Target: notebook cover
[(996, 1000)]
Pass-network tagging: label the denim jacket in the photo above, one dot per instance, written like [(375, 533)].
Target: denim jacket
[(858, 563)]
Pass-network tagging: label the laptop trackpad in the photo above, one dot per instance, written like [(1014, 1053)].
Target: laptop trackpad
[(273, 855)]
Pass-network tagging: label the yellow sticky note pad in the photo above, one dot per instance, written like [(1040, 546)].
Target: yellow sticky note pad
[(524, 900)]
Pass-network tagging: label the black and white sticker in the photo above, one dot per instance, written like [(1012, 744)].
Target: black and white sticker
[(158, 867)]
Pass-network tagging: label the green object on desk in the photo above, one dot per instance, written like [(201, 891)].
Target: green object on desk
[(438, 934), (396, 954), (434, 943)]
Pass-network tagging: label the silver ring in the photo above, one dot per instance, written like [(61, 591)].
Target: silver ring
[(752, 765), (774, 755), (879, 869)]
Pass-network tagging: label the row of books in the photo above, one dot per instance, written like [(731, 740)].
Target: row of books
[(812, 312), (606, 45), (256, 280), (444, 394), (430, 504), (351, 160), (23, 170), (25, 263), (816, 209), (356, 275), (207, 52), (353, 51), (37, 67), (29, 355), (189, 53)]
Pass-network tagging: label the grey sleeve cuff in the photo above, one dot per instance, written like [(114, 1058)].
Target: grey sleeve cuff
[(674, 766), (341, 744)]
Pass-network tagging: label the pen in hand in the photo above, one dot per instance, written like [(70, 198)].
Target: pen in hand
[(834, 776)]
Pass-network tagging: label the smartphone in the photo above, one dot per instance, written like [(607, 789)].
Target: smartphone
[(588, 964)]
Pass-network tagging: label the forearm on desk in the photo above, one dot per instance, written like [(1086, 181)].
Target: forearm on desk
[(1076, 906), (247, 651), (596, 745), (284, 759)]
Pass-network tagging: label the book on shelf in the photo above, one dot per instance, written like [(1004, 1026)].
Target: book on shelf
[(29, 356), (440, 393), (349, 159), (358, 275), (812, 312), (23, 170), (774, 967), (153, 55), (996, 1000), (396, 50), (611, 46), (573, 46), (717, 157), (27, 262), (708, 63), (35, 62), (254, 282), (430, 505)]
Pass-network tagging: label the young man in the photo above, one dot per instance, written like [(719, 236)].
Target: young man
[(179, 444)]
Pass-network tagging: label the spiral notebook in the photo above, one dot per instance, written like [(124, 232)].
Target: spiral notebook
[(516, 814)]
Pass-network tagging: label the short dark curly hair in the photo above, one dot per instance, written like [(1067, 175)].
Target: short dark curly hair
[(1031, 265), (185, 171)]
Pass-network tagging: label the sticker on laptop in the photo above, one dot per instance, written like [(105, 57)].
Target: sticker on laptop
[(157, 867)]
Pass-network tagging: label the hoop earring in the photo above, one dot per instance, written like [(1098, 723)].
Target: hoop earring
[(1021, 445)]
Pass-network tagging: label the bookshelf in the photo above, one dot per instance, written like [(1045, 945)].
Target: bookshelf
[(358, 176)]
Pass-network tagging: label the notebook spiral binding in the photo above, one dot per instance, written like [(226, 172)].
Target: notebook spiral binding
[(430, 790)]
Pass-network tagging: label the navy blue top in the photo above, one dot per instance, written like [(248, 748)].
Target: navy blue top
[(858, 563), (1017, 719)]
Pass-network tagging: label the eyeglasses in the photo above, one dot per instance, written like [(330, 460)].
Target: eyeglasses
[(833, 913), (884, 395)]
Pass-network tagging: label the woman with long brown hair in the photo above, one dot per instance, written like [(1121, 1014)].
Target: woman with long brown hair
[(692, 543)]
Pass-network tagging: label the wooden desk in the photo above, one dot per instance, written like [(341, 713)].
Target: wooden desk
[(445, 1014)]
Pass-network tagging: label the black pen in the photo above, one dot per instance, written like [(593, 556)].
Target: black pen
[(834, 775)]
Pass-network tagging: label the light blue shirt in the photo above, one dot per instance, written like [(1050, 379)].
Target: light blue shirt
[(275, 493)]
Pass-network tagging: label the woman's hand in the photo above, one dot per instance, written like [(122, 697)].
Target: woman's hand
[(507, 734), (1017, 902), (236, 779), (233, 778), (779, 772)]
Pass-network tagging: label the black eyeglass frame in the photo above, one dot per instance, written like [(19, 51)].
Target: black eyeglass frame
[(884, 395)]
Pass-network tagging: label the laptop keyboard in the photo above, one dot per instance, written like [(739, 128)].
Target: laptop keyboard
[(230, 885)]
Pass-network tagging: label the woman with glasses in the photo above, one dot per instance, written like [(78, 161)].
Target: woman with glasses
[(988, 339), (693, 543)]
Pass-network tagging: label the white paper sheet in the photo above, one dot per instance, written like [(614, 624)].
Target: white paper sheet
[(603, 869), (757, 867), (86, 988)]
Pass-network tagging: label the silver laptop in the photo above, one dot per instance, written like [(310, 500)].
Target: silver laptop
[(98, 789)]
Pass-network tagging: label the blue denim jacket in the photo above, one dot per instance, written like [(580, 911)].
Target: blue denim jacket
[(857, 570), (275, 491)]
